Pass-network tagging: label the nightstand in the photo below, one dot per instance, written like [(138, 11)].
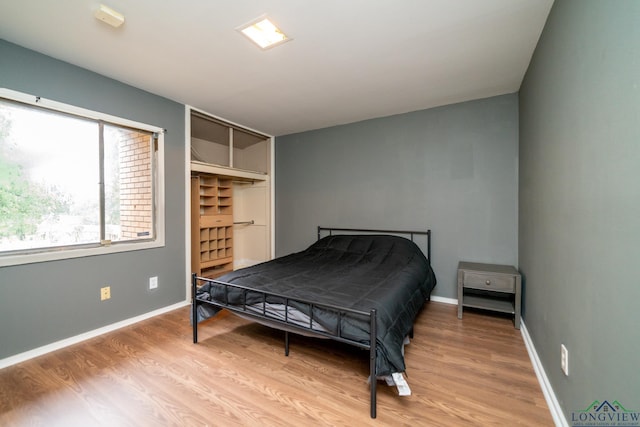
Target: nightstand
[(489, 287)]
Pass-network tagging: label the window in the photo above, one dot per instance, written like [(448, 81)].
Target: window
[(73, 179)]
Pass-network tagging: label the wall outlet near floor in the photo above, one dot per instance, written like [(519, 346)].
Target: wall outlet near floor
[(564, 359), (105, 293), (153, 282)]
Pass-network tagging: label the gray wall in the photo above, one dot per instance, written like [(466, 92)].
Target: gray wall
[(580, 200), (452, 169), (45, 302)]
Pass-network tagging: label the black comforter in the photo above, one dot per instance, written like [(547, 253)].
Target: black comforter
[(362, 272)]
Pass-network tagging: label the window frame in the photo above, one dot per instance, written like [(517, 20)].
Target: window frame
[(158, 195)]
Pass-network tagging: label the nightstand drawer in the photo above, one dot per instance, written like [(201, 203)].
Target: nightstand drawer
[(490, 282)]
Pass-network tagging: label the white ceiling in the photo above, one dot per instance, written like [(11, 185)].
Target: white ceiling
[(381, 57)]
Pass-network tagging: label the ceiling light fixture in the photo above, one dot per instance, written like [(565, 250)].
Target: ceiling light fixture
[(109, 16), (263, 33)]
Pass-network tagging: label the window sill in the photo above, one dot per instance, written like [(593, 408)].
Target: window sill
[(67, 253)]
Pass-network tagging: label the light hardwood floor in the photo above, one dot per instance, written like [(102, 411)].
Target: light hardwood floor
[(473, 371)]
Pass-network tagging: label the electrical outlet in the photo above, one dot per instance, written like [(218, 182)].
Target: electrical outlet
[(153, 282), (564, 359), (105, 293)]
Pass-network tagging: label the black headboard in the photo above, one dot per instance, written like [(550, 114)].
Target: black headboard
[(401, 232)]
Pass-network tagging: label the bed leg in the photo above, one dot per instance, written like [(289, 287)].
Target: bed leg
[(372, 362), (194, 307), (286, 343)]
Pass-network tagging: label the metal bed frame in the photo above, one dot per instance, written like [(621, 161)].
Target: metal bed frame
[(288, 325)]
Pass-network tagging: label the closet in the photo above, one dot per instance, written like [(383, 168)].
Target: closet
[(231, 195)]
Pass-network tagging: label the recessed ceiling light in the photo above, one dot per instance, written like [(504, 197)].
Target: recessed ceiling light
[(263, 33)]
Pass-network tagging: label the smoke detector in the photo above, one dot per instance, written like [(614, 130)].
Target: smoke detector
[(109, 16)]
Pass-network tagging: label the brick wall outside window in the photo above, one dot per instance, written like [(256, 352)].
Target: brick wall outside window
[(135, 186)]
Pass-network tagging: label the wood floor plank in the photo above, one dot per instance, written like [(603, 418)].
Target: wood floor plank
[(474, 371)]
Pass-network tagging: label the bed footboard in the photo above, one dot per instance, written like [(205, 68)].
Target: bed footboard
[(290, 325)]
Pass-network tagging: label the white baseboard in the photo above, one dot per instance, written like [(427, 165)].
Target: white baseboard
[(554, 406), (12, 360), (435, 298)]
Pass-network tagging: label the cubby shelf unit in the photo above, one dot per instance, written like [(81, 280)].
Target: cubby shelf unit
[(211, 225)]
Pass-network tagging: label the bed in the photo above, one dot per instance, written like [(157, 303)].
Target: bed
[(351, 285)]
